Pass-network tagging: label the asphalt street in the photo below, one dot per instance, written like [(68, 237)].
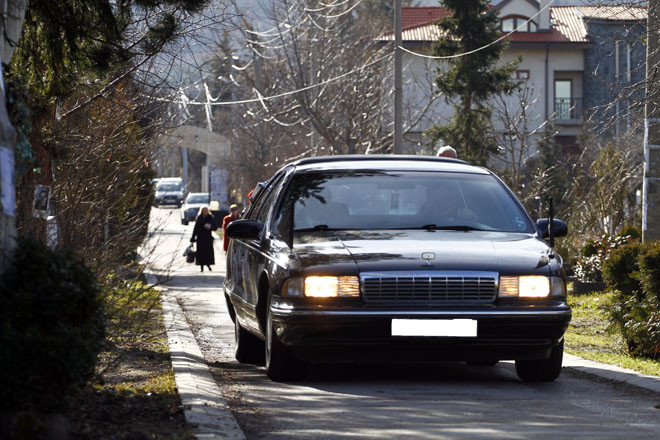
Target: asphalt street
[(447, 400)]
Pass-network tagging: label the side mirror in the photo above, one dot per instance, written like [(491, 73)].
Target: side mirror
[(245, 229), (559, 228)]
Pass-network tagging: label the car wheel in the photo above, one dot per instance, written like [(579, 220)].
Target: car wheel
[(542, 370), (248, 349), (280, 364)]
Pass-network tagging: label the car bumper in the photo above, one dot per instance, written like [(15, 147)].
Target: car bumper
[(365, 335), (169, 201)]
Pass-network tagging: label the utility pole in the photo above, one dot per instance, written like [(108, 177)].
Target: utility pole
[(398, 83), (651, 183), (206, 183)]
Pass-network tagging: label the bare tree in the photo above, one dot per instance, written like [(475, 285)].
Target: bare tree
[(519, 129)]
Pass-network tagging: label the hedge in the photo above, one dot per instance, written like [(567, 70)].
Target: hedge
[(52, 328)]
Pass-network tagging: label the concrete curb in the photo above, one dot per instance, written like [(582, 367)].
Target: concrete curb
[(204, 407), (612, 372)]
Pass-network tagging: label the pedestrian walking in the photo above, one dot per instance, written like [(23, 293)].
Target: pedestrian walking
[(233, 215), (202, 234)]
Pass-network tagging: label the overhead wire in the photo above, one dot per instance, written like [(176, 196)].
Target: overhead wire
[(479, 49), (279, 95), (261, 98)]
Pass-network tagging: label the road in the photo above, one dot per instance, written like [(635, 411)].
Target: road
[(448, 400)]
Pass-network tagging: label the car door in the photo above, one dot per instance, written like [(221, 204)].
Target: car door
[(257, 251)]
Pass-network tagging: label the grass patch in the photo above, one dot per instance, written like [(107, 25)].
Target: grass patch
[(588, 335), (134, 395)]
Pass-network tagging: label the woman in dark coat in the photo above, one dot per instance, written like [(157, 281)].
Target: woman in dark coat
[(204, 238)]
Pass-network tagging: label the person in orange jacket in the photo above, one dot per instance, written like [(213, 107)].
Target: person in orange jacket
[(233, 215)]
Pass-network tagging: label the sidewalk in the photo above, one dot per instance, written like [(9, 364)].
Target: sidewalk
[(204, 407)]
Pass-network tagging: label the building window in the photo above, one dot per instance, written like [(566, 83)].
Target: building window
[(522, 74), (565, 105), (508, 24), (517, 23)]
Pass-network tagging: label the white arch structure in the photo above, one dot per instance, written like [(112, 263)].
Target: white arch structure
[(216, 146)]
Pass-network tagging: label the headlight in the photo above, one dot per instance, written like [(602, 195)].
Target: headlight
[(531, 286), (322, 287)]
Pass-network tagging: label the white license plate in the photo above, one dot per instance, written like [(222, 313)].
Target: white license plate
[(460, 328)]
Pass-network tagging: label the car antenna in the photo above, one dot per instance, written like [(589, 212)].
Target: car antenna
[(551, 213)]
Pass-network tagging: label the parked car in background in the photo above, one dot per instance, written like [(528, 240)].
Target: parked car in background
[(169, 191), (191, 206), (394, 258)]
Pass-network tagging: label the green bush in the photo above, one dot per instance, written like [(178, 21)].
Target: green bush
[(620, 269), (631, 231), (637, 317), (634, 271), (649, 268), (588, 268), (52, 328)]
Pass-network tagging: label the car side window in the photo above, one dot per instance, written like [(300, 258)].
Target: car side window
[(265, 201)]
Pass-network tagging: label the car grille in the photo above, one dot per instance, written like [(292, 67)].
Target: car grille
[(429, 287)]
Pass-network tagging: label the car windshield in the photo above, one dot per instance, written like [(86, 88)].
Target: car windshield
[(350, 200), (169, 187), (204, 198)]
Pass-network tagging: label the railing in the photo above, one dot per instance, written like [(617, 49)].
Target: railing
[(568, 109)]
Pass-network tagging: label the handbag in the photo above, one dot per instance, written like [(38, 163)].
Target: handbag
[(190, 253)]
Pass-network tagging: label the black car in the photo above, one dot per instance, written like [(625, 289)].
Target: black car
[(391, 258)]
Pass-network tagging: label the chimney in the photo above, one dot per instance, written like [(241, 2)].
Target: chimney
[(543, 19)]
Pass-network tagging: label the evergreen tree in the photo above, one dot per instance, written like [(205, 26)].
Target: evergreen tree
[(469, 81), (62, 41)]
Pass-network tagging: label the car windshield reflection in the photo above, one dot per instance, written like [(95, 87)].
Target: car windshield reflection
[(350, 200)]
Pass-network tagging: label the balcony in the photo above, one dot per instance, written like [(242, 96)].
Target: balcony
[(568, 110)]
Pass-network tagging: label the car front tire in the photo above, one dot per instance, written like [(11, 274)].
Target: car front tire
[(280, 364), (542, 370), (248, 349)]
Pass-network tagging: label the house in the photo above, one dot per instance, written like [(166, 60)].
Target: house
[(576, 62)]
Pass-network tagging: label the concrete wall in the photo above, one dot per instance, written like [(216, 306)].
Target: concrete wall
[(519, 7)]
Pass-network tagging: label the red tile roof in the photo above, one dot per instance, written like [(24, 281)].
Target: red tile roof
[(567, 23), (418, 16)]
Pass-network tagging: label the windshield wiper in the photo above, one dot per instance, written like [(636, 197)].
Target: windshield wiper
[(457, 228), (317, 228), (434, 227)]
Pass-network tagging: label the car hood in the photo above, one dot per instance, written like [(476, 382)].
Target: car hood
[(364, 251), (169, 193)]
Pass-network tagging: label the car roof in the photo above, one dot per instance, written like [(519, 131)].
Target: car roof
[(386, 162), (198, 194)]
